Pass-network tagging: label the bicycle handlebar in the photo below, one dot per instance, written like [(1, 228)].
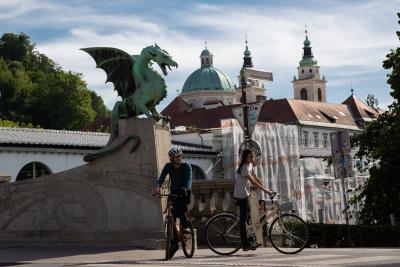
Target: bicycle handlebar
[(275, 194)]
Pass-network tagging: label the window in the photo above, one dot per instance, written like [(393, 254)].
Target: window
[(302, 71), (325, 140), (305, 138), (303, 94), (330, 118), (319, 95), (33, 170), (197, 173), (310, 70), (316, 143)]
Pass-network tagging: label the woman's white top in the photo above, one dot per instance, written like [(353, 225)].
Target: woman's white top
[(242, 184)]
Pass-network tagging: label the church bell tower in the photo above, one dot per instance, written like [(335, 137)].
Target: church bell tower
[(308, 85)]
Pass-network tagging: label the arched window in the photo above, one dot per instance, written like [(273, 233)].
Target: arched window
[(33, 170), (302, 71), (303, 94), (319, 95), (197, 173)]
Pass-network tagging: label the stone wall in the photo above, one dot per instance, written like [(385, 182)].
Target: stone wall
[(105, 201)]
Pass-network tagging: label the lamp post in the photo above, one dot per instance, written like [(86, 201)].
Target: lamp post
[(243, 84)]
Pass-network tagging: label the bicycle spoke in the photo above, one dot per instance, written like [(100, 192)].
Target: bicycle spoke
[(188, 243), (222, 234), (289, 234)]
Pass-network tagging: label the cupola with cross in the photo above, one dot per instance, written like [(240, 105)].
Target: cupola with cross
[(208, 85), (309, 85)]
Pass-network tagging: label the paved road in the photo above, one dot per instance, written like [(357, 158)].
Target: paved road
[(123, 257)]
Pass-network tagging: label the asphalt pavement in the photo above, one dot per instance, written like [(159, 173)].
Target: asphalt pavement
[(128, 256)]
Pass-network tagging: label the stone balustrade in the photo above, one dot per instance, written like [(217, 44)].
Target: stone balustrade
[(211, 196)]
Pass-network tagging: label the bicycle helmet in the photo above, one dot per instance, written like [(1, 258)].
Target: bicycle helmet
[(174, 152)]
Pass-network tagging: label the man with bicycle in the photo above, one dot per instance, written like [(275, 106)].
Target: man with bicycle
[(180, 184)]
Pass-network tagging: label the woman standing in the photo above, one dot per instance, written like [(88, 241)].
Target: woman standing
[(245, 178)]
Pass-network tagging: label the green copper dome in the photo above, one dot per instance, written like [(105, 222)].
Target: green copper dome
[(306, 41), (308, 57), (205, 52), (208, 79)]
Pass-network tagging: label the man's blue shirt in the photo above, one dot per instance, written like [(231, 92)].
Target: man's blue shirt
[(181, 177)]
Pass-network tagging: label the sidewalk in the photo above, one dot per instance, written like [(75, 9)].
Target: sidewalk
[(129, 256), (90, 255)]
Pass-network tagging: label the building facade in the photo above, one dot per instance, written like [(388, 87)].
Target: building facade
[(27, 153)]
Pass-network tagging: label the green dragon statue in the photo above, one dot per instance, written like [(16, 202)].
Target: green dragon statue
[(139, 85)]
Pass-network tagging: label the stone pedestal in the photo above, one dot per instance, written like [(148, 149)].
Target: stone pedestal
[(103, 202)]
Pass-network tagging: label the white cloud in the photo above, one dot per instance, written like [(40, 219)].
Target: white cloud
[(347, 41)]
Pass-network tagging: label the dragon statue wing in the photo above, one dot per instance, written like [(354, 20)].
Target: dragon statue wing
[(118, 66)]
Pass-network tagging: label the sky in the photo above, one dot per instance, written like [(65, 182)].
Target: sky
[(349, 39)]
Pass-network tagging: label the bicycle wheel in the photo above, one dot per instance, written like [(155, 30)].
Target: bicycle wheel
[(188, 243), (168, 236), (223, 234), (288, 234)]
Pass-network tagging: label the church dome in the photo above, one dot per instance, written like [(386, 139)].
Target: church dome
[(207, 78), (205, 52)]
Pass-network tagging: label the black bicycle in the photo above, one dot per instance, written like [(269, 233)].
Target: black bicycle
[(173, 230)]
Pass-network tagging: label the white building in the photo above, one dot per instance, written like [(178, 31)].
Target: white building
[(26, 153)]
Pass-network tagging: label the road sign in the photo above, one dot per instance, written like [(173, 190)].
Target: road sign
[(257, 74), (252, 116)]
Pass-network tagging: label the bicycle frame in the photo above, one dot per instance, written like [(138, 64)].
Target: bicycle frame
[(271, 212), (168, 213)]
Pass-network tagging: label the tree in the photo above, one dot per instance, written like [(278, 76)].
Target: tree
[(98, 106), (34, 89), (371, 101), (5, 123), (380, 143), (15, 47), (62, 102)]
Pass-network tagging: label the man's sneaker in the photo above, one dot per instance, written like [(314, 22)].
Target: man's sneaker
[(255, 246), (251, 247), (174, 249), (246, 247)]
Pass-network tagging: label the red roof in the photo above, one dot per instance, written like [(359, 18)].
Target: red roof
[(203, 118), (321, 112), (176, 106), (288, 111), (360, 109)]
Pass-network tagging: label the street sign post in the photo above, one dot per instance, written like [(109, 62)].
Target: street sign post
[(248, 123), (257, 74), (253, 111)]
